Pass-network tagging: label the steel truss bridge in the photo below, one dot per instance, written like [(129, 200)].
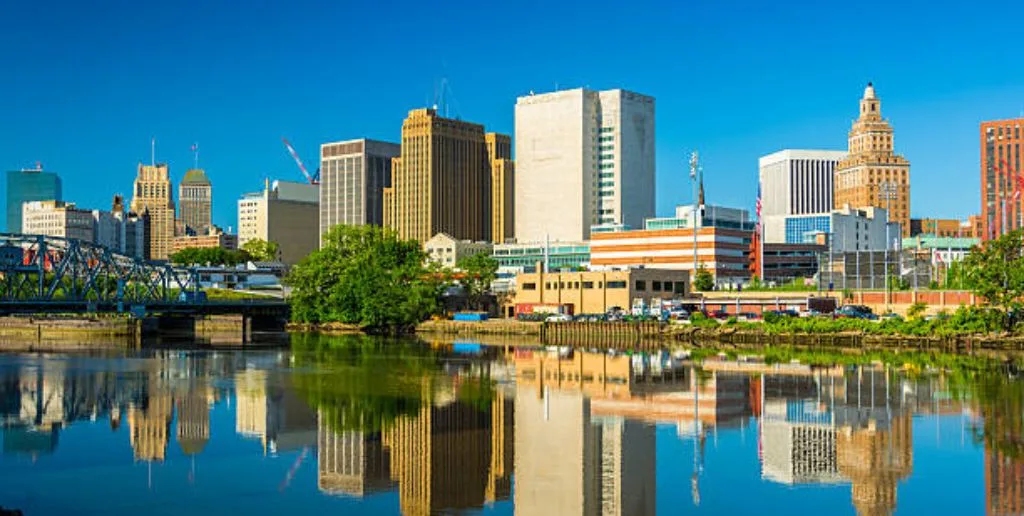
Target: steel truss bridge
[(42, 268)]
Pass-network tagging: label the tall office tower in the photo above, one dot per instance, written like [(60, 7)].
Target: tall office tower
[(1001, 204), (353, 175), (442, 181), (872, 174), (583, 158), (798, 182), (195, 196), (503, 194), (29, 185), (285, 213), (153, 194)]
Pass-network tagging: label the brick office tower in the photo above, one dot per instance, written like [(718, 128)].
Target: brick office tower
[(872, 174), (1001, 182)]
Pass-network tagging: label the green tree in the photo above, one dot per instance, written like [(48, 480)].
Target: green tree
[(916, 310), (703, 280), (261, 250), (995, 273), (364, 275), (479, 271), (209, 255)]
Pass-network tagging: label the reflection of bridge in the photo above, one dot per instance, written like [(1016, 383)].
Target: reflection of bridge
[(40, 274)]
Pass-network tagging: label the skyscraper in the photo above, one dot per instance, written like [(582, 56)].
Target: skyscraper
[(503, 194), (583, 158), (798, 182), (872, 174), (29, 185), (153, 195), (284, 213), (353, 175), (1000, 166), (195, 195), (442, 181)]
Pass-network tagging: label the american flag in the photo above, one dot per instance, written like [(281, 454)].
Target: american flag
[(757, 206), (195, 147)]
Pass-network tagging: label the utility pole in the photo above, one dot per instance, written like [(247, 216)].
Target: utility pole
[(888, 189), (694, 167)]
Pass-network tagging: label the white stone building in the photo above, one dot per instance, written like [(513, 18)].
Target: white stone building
[(798, 182), (583, 158)]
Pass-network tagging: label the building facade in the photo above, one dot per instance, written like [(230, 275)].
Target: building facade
[(872, 174), (154, 197), (134, 229), (284, 212), (787, 262), (939, 227), (848, 229), (353, 176), (723, 252), (1001, 203), (214, 238), (524, 257), (26, 186), (57, 219), (447, 251), (503, 193), (795, 182), (442, 181), (710, 216), (195, 198), (596, 292), (584, 158)]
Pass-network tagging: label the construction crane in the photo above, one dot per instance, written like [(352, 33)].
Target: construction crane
[(313, 179)]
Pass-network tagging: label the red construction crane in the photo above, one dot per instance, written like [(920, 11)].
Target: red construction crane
[(313, 179)]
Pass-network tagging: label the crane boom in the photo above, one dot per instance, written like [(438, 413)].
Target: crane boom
[(298, 161)]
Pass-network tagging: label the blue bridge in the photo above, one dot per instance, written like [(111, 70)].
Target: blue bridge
[(40, 274)]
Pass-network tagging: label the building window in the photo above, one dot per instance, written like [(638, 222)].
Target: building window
[(547, 285), (588, 284), (529, 286), (616, 284), (561, 285), (680, 287), (656, 286), (641, 285)]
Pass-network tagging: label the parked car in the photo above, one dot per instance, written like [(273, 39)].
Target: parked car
[(748, 316), (558, 318), (855, 312), (891, 316), (679, 315), (720, 314), (786, 313)]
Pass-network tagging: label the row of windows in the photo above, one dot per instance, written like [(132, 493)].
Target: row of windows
[(606, 147), (661, 286), (607, 156), (607, 165), (607, 175), (606, 139), (607, 129), (574, 285)]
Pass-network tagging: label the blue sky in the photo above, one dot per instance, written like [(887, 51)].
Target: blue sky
[(85, 87)]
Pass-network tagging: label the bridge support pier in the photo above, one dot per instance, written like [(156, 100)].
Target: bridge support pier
[(173, 326)]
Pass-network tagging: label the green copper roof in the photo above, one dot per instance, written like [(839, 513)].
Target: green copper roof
[(195, 176)]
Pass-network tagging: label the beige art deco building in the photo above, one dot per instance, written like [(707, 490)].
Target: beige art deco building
[(503, 194), (862, 177), (153, 195), (442, 181), (195, 196)]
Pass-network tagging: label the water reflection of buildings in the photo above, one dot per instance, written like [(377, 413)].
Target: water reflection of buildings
[(824, 427), (270, 411), (450, 455), (595, 413)]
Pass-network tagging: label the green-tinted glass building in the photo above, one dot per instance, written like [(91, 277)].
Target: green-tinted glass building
[(27, 186)]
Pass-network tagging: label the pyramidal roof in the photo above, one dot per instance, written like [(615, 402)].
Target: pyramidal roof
[(195, 176)]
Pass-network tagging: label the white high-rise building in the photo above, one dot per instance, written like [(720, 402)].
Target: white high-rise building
[(583, 158), (798, 182)]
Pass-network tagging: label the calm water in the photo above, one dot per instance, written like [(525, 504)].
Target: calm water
[(357, 426)]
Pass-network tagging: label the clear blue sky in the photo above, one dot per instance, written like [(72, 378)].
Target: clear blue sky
[(84, 87)]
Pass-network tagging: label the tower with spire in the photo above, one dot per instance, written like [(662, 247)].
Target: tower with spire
[(872, 174)]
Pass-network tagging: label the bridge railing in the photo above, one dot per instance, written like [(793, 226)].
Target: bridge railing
[(47, 268)]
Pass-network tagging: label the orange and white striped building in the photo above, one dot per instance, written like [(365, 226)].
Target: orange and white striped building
[(724, 252)]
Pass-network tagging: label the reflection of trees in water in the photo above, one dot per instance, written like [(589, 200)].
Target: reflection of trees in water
[(1000, 402), (363, 383)]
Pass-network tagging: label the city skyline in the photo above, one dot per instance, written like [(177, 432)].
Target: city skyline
[(735, 113)]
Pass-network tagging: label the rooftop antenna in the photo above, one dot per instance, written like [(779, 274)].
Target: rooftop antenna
[(152, 151), (195, 153)]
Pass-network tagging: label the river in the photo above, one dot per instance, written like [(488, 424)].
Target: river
[(354, 425)]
